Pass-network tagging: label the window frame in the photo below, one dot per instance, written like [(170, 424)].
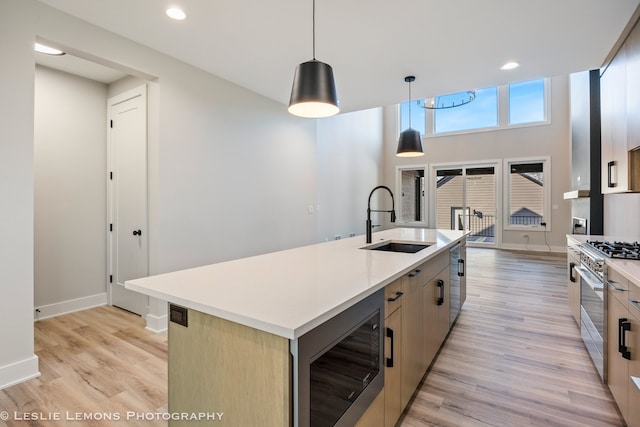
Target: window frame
[(398, 191), (546, 215), (503, 114)]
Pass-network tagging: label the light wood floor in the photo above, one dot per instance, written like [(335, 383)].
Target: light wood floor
[(514, 358), (93, 362)]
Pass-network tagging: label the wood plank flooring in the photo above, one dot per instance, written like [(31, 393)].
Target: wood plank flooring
[(514, 356), (95, 363)]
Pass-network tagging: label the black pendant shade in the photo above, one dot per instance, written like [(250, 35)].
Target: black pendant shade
[(410, 144), (314, 91)]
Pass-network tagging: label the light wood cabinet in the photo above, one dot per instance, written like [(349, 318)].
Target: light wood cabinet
[(436, 315), (634, 365), (620, 118), (623, 348), (573, 281), (411, 358), (393, 363), (374, 415)]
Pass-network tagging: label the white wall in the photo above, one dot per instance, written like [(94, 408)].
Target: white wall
[(70, 190), (210, 141), (621, 213), (17, 25), (349, 158), (547, 140)]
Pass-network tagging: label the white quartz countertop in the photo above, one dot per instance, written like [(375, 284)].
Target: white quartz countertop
[(630, 269), (290, 292)]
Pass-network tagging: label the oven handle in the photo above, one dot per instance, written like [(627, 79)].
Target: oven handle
[(585, 276)]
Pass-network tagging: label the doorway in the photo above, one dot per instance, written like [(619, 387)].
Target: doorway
[(127, 197), (71, 270), (467, 197)]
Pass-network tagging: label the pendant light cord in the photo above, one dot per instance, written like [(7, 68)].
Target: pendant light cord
[(409, 103), (314, 29)]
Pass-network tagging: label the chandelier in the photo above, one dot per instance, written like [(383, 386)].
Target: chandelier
[(448, 101)]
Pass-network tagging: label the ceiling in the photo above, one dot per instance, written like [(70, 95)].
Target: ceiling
[(449, 45)]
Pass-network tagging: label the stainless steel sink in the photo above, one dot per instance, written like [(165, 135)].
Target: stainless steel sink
[(410, 248)]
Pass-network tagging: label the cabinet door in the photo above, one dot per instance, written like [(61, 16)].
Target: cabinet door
[(392, 377), (374, 415), (613, 98), (617, 366), (573, 284), (463, 278), (442, 283), (412, 361), (430, 295), (633, 88), (633, 420)]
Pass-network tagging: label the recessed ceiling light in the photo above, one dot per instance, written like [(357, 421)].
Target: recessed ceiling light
[(176, 13), (39, 47), (510, 65)]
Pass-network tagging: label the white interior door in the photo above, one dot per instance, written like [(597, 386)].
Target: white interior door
[(129, 257)]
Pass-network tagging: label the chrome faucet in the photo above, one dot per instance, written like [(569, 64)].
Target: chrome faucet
[(369, 227)]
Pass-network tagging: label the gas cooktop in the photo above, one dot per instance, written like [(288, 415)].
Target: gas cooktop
[(625, 250)]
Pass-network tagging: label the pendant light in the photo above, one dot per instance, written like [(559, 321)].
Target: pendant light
[(410, 143), (314, 90)]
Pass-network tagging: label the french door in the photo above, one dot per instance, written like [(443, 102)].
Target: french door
[(467, 197)]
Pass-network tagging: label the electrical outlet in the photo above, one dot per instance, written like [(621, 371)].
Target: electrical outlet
[(337, 237)]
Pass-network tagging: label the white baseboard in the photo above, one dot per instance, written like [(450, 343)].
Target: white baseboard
[(157, 324), (64, 307), (18, 372)]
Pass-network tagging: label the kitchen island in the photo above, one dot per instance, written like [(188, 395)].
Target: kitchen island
[(244, 316)]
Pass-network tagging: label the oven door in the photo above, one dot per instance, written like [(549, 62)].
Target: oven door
[(592, 295)]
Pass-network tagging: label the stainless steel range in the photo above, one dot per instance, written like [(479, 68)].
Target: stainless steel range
[(593, 303), (593, 295)]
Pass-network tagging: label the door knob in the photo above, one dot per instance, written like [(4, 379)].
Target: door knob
[(137, 232)]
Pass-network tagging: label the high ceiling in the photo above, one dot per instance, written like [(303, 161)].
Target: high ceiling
[(449, 45)]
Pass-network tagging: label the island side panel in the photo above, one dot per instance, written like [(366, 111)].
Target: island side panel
[(220, 367)]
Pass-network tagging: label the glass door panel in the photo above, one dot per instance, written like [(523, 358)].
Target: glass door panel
[(480, 192), (450, 199), (466, 199)]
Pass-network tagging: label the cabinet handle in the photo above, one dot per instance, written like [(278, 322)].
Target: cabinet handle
[(615, 288), (137, 232), (460, 267), (441, 286), (398, 295), (571, 267), (623, 326), (390, 359), (610, 182), (635, 304), (415, 273)]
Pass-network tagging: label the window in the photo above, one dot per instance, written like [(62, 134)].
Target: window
[(418, 121), (498, 107), (527, 102), (527, 194), (481, 113)]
